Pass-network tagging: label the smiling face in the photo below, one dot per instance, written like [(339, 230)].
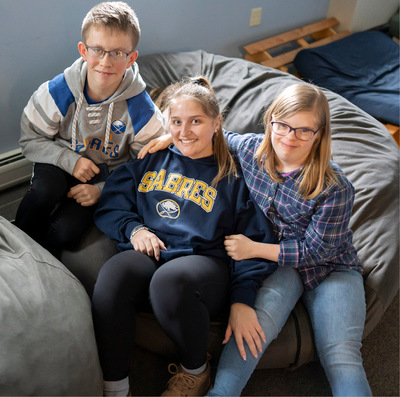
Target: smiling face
[(105, 75), (291, 153), (191, 128)]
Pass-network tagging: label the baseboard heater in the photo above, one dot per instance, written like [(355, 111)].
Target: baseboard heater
[(14, 169)]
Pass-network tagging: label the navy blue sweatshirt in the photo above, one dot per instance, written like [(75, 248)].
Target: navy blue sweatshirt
[(172, 195)]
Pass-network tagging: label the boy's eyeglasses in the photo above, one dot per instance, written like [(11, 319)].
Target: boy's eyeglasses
[(302, 134), (115, 55)]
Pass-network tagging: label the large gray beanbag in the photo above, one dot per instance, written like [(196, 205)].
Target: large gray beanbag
[(362, 147), (47, 342)]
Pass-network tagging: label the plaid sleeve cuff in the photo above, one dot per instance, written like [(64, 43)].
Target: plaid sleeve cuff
[(289, 249)]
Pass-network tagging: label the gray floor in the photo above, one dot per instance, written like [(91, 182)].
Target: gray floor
[(380, 352), (381, 362), (10, 199)]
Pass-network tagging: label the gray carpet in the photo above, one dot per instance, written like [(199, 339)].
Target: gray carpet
[(380, 350)]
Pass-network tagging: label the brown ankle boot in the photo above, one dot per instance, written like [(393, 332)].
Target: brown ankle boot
[(184, 384)]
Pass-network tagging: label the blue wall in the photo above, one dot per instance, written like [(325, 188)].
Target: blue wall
[(39, 37)]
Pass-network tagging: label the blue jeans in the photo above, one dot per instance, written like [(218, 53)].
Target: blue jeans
[(274, 302), (337, 313)]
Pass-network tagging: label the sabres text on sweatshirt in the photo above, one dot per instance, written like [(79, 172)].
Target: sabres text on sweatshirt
[(172, 195)]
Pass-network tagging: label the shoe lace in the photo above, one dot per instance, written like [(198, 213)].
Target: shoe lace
[(181, 380)]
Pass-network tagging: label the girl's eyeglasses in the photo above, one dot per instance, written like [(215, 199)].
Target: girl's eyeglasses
[(302, 134)]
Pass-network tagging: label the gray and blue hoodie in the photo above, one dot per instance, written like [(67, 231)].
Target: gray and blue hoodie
[(58, 125)]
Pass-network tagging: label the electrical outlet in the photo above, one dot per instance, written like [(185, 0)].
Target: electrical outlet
[(255, 16)]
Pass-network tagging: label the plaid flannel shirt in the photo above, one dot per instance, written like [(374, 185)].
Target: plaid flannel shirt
[(314, 235)]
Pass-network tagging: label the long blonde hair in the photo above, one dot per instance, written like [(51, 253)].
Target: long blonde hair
[(200, 89), (317, 173)]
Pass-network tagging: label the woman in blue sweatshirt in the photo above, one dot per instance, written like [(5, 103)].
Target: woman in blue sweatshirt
[(170, 213)]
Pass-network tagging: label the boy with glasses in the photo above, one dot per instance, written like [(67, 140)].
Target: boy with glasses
[(78, 127)]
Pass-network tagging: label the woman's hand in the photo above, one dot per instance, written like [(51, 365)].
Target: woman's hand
[(85, 195), (156, 144), (148, 243), (243, 323), (239, 247)]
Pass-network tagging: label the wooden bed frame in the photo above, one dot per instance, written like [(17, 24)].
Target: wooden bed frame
[(314, 35)]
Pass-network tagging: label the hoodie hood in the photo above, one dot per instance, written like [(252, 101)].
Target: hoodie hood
[(132, 84)]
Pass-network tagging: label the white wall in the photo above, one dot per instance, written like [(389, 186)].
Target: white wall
[(39, 37), (358, 15)]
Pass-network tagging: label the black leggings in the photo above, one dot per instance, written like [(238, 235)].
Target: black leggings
[(184, 293), (47, 215)]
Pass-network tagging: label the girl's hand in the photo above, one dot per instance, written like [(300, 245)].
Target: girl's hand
[(85, 195), (239, 247), (148, 243), (155, 145), (243, 323)]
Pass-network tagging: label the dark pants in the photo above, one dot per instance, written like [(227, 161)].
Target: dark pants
[(184, 293), (47, 215)]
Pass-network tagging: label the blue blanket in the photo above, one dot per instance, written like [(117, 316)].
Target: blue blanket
[(363, 68)]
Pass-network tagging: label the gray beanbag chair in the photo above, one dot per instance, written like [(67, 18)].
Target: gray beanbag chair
[(361, 146), (46, 332)]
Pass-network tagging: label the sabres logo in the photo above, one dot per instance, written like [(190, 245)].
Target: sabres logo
[(118, 127), (168, 209)]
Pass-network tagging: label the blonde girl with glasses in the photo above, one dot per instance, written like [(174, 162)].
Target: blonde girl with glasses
[(309, 201)]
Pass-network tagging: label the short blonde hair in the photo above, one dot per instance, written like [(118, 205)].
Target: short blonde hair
[(317, 173), (114, 15)]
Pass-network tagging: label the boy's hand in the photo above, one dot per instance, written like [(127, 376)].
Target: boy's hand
[(155, 145), (85, 170), (85, 195), (148, 243), (238, 247), (243, 323)]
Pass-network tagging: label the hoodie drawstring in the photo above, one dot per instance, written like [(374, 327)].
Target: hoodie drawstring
[(78, 109), (92, 110), (108, 128)]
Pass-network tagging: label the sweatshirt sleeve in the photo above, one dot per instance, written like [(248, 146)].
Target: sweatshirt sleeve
[(147, 121), (248, 275), (117, 213), (40, 123)]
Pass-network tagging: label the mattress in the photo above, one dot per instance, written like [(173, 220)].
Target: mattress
[(363, 68)]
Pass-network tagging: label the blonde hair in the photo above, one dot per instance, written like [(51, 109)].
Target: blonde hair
[(200, 89), (114, 15), (317, 173)]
